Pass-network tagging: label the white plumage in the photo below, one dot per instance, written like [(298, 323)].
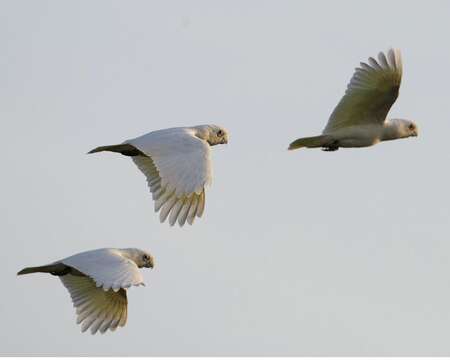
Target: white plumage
[(97, 281), (109, 268), (359, 119), (177, 164)]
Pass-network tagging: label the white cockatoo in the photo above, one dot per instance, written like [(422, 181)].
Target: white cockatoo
[(359, 119), (177, 164), (97, 281)]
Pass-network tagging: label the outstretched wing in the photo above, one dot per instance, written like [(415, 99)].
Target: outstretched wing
[(107, 267), (370, 94), (96, 308), (178, 167)]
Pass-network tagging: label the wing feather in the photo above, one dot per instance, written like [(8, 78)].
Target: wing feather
[(201, 204), (163, 199), (117, 316), (184, 211), (370, 93), (107, 267), (123, 317), (176, 211), (178, 167), (193, 210), (168, 205), (96, 308)]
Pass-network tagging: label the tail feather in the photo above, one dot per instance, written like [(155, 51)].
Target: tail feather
[(124, 149), (57, 269), (310, 142)]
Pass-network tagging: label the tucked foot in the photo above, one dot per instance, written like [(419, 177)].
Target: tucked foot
[(332, 146)]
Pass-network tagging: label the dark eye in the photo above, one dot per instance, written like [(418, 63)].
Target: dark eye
[(220, 133), (411, 127), (145, 258)]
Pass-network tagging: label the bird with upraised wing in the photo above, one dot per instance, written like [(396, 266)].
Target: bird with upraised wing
[(359, 120)]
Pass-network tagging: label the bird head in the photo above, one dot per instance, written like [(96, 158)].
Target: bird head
[(405, 128), (212, 134), (140, 257)]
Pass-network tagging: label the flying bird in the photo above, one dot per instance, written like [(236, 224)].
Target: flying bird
[(177, 164), (359, 120), (97, 281)]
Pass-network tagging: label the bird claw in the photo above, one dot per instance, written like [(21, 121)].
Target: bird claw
[(331, 147)]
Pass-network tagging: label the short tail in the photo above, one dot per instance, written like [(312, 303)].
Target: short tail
[(310, 142), (124, 149)]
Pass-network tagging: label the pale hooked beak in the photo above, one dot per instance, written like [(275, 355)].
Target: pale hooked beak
[(224, 140)]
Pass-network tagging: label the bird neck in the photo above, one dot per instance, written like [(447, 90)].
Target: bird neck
[(390, 131), (202, 132), (130, 253)]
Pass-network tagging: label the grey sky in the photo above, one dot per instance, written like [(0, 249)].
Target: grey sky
[(298, 253)]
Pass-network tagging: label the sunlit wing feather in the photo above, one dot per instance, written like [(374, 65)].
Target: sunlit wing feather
[(370, 94), (97, 309)]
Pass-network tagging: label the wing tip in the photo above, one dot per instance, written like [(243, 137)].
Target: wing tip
[(394, 56)]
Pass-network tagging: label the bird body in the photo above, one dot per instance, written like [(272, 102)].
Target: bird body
[(360, 118), (97, 281), (177, 164)]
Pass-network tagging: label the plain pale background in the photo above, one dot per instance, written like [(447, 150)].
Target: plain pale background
[(298, 253)]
